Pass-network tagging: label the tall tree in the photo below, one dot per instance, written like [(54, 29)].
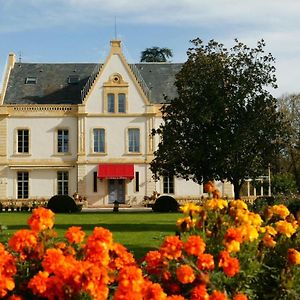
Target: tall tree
[(156, 54), (289, 105), (224, 124)]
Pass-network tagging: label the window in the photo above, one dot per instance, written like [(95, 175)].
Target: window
[(23, 141), (133, 140), (63, 141), (99, 140), (30, 80), (73, 79), (23, 185), (62, 183), (111, 103), (137, 181), (95, 181), (121, 103), (168, 184)]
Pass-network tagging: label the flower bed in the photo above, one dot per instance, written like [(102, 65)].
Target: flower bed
[(221, 251)]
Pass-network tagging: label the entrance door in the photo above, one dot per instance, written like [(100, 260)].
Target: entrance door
[(116, 190)]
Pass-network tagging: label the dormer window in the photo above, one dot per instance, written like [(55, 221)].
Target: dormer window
[(73, 79), (30, 80)]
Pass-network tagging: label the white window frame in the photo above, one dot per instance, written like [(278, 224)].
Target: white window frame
[(63, 182), (168, 184), (22, 185), (133, 143), (60, 149)]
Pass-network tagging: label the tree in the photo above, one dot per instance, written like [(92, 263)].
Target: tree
[(156, 54), (224, 124), (289, 105)]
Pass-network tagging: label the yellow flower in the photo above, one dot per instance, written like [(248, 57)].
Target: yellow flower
[(216, 204), (268, 241), (280, 210), (186, 223), (286, 228), (191, 209), (232, 246), (249, 232), (269, 230), (239, 204)]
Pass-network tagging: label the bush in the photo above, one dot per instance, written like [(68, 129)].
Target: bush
[(294, 207), (165, 204), (260, 203), (62, 204)]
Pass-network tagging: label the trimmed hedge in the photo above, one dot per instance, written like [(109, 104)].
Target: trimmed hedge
[(165, 204), (62, 204)]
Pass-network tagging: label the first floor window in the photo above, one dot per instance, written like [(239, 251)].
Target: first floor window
[(133, 140), (99, 140), (63, 140), (23, 140), (23, 185), (168, 184), (121, 103), (62, 183)]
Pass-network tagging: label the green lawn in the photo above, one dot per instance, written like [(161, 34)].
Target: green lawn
[(138, 231)]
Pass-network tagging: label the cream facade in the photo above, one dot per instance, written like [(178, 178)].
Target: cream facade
[(96, 143)]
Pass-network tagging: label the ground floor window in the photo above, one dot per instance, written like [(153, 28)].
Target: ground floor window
[(23, 185), (62, 183), (168, 184)]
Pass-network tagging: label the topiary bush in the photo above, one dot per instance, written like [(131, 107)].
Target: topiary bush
[(165, 204), (62, 204)]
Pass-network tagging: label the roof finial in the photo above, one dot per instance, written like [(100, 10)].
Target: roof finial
[(20, 56)]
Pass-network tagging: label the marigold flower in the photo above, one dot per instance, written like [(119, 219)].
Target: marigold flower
[(171, 247), (24, 242), (293, 256), (233, 234), (230, 265), (191, 209), (15, 297), (209, 187), (285, 227), (214, 204), (269, 241), (199, 293), (185, 274), (205, 262), (240, 296), (194, 245), (153, 260), (249, 232), (175, 297), (153, 291), (238, 204), (121, 257), (186, 223), (217, 295), (232, 246), (280, 210), (75, 235), (41, 219), (38, 283)]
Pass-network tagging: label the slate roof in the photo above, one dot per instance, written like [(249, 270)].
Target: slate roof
[(52, 85)]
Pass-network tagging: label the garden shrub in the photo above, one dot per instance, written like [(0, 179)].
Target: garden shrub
[(294, 207), (260, 203), (165, 204), (62, 204)]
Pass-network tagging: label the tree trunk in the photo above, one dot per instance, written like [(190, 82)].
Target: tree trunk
[(236, 187)]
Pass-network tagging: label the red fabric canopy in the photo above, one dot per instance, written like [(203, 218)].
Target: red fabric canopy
[(116, 171)]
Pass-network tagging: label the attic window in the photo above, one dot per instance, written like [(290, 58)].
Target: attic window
[(73, 79), (30, 80)]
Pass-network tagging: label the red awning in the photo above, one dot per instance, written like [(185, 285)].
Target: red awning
[(116, 171)]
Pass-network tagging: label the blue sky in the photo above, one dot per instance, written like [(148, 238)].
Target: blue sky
[(80, 30)]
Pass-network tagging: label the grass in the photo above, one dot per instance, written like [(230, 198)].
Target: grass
[(138, 231)]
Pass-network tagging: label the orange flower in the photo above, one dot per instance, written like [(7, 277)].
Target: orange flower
[(24, 242), (209, 187), (15, 297), (217, 295), (199, 293), (194, 245), (175, 297), (38, 283), (285, 227), (185, 274), (269, 241), (293, 256), (280, 210), (230, 265), (41, 219), (233, 234), (153, 291), (171, 247), (240, 296), (75, 235), (205, 262), (153, 261), (121, 257)]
